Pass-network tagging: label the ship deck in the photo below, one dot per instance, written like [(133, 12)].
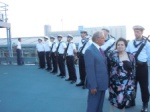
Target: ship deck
[(29, 89)]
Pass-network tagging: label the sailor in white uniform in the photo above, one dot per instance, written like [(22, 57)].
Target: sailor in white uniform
[(140, 48), (83, 45), (41, 53), (47, 46), (60, 55), (69, 54), (53, 55)]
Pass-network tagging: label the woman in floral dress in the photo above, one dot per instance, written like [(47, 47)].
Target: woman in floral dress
[(122, 75)]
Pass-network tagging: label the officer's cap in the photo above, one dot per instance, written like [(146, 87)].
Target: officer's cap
[(52, 37), (40, 39), (69, 36), (59, 36), (138, 27), (46, 37), (106, 29), (83, 31)]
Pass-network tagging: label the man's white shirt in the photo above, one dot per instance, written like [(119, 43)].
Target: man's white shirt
[(86, 46), (61, 48), (47, 45), (18, 45), (71, 48), (144, 54), (40, 47)]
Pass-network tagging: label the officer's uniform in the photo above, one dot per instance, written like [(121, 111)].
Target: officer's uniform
[(70, 61), (54, 57), (109, 43), (141, 65), (81, 59), (18, 50), (41, 54), (47, 46), (61, 62)]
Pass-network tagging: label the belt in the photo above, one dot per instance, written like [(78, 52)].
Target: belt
[(139, 63), (69, 55), (60, 54)]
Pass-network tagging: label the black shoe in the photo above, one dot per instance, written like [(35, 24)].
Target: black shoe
[(53, 72), (83, 87), (130, 104), (80, 84), (72, 82), (59, 75), (68, 79), (63, 77), (145, 108)]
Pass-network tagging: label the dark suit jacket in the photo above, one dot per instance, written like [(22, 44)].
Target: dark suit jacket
[(96, 69)]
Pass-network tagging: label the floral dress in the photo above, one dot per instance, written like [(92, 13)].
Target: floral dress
[(122, 79)]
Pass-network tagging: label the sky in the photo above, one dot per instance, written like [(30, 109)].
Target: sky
[(28, 17)]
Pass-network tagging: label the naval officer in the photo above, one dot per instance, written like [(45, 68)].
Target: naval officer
[(53, 55), (60, 54), (83, 45), (140, 47), (69, 54), (41, 53), (18, 51), (47, 46), (109, 41)]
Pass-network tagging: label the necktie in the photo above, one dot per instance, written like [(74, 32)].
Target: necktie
[(101, 51)]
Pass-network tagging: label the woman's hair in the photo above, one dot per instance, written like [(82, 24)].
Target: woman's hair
[(123, 40)]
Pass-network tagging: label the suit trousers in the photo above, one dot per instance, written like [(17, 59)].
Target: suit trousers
[(19, 60), (41, 56), (82, 69), (71, 67), (95, 102), (48, 60), (54, 62), (142, 78), (61, 64)]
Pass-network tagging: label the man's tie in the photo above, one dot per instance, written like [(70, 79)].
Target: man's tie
[(101, 51)]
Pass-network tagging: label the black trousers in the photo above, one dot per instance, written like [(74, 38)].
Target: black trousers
[(61, 64), (19, 58), (54, 62), (82, 69), (142, 79), (71, 67), (41, 56), (48, 60)]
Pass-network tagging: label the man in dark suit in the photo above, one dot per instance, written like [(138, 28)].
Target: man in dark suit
[(96, 73)]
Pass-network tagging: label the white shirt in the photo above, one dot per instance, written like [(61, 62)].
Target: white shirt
[(86, 46), (96, 45), (47, 45), (40, 47), (144, 54), (54, 46), (18, 45), (61, 48), (71, 48), (107, 44)]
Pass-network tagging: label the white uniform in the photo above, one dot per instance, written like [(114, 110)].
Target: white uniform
[(61, 48), (81, 43), (144, 54), (18, 45), (40, 47), (47, 45), (108, 43), (71, 48), (54, 46)]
